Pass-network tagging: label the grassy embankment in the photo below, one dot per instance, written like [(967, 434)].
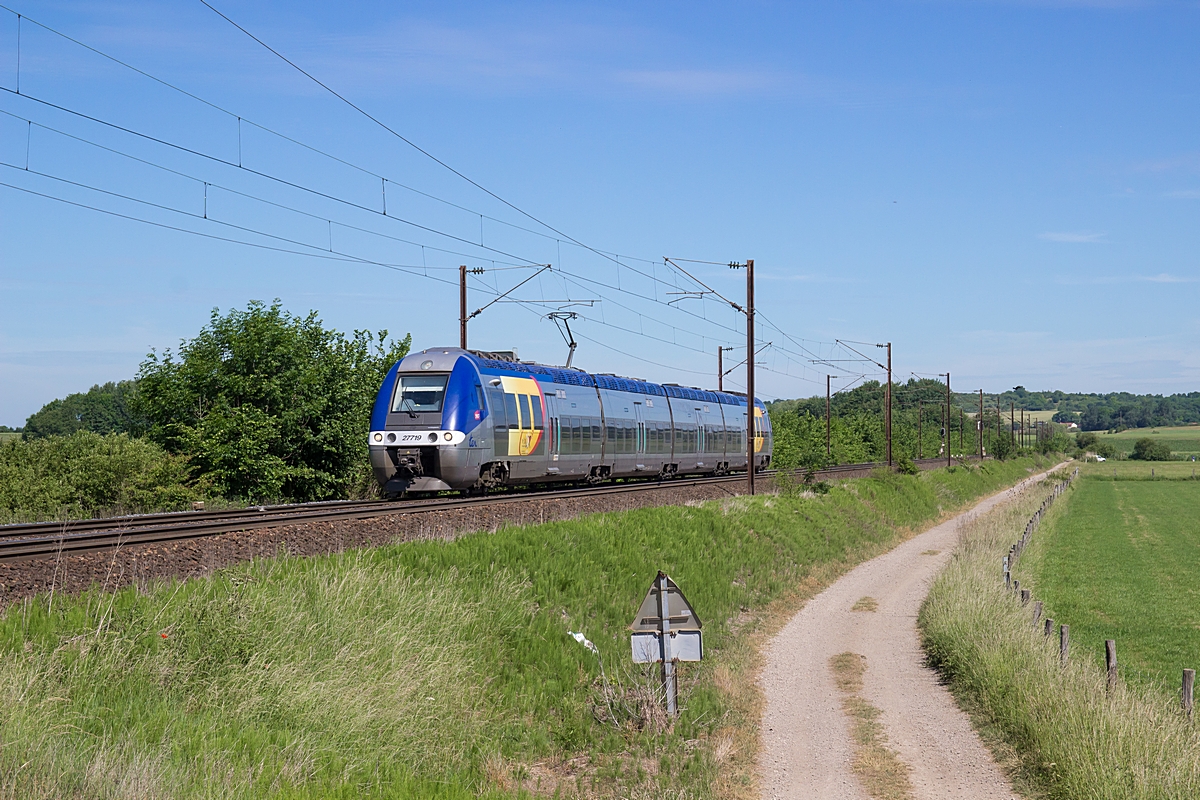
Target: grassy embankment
[(1112, 559), (1184, 441), (439, 669)]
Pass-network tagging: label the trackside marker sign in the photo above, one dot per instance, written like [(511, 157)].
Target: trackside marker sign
[(666, 630)]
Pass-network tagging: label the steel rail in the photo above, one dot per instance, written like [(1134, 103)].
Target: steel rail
[(36, 540)]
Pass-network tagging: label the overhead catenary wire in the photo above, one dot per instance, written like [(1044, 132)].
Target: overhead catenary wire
[(211, 184), (264, 175), (403, 138), (616, 258)]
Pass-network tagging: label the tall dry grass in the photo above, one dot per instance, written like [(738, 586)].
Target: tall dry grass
[(1070, 738)]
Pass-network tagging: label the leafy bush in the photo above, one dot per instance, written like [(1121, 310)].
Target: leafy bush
[(1002, 446), (85, 474), (268, 405), (1146, 449), (1085, 440)]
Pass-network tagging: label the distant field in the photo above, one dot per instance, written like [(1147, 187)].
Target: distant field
[(1128, 470), (4, 437), (1183, 441), (1120, 563)]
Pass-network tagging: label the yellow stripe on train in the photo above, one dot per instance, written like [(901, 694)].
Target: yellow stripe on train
[(525, 439)]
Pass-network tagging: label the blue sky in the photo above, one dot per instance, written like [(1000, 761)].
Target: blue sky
[(1006, 190)]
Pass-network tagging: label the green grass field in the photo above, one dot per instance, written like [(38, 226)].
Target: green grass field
[(1184, 441), (1122, 562), (4, 437), (1112, 559), (438, 669)]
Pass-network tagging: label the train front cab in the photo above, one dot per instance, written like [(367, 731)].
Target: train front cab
[(429, 426)]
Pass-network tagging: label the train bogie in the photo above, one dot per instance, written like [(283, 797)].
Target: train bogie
[(451, 419)]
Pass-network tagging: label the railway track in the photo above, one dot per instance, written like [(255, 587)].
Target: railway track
[(42, 539)]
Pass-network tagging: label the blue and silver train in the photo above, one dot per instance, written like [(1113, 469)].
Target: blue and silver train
[(451, 419)]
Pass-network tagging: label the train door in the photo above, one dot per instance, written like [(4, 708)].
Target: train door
[(639, 436), (701, 440), (553, 433), (723, 450)]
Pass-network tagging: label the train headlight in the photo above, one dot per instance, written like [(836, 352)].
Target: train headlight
[(447, 436), (391, 437), (433, 437), (379, 437)]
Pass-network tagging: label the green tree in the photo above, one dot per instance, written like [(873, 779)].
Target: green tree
[(1147, 449), (102, 409), (1085, 440), (268, 405), (1002, 446)]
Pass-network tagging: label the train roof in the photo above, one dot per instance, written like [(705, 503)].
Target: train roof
[(506, 362)]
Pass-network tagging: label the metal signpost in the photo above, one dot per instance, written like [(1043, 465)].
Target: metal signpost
[(666, 630)]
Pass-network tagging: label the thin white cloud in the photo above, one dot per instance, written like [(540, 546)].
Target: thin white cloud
[(1189, 162), (700, 81), (1163, 277), (1099, 280), (1074, 237)]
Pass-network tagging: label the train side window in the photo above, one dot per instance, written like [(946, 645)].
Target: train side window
[(525, 404), (510, 407), (496, 402), (537, 411), (479, 396), (595, 435), (576, 436), (586, 438)]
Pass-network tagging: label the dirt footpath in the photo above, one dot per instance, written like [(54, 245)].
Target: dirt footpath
[(807, 746)]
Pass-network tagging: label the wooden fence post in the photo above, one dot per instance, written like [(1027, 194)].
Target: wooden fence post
[(1110, 663), (1025, 595), (1064, 643), (1189, 681), (1049, 626), (1037, 613)]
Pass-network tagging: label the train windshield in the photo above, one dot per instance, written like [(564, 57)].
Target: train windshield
[(419, 393)]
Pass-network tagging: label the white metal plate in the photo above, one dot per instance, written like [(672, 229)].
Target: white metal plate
[(684, 646)]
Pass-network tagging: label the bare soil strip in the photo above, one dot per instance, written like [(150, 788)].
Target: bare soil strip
[(809, 746)]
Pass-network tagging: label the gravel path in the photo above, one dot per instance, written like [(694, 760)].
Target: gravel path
[(807, 748)]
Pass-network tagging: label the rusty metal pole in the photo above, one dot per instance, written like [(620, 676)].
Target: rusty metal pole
[(979, 425), (462, 306), (1012, 423), (827, 450), (888, 414), (948, 418), (751, 423), (999, 419), (920, 432)]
